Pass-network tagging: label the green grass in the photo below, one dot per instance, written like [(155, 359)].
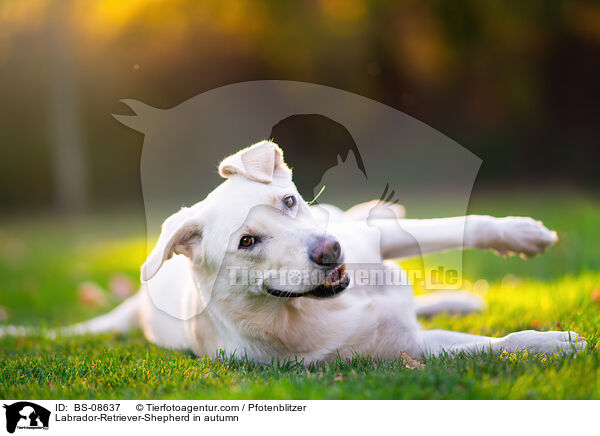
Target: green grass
[(43, 261)]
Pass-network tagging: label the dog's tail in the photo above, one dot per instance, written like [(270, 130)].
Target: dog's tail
[(122, 318)]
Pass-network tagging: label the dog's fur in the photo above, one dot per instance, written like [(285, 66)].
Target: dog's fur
[(198, 249)]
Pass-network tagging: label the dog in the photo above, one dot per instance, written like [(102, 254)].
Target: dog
[(256, 221)]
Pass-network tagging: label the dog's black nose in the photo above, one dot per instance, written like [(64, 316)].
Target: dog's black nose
[(325, 251)]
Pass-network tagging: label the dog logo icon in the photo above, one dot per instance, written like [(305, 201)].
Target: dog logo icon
[(26, 415)]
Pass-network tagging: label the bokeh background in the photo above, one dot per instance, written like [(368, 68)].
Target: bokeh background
[(514, 82)]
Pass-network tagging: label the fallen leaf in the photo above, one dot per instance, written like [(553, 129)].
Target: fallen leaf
[(338, 378), (121, 286), (411, 363), (536, 324), (596, 295), (92, 294), (481, 287), (3, 314)]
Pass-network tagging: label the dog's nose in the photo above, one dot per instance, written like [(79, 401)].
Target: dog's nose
[(325, 251)]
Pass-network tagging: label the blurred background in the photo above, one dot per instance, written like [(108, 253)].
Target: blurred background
[(516, 83)]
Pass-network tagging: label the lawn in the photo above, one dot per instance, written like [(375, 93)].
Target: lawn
[(43, 262)]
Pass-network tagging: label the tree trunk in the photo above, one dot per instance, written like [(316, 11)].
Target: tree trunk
[(66, 140)]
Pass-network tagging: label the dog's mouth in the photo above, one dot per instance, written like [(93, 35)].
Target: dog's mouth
[(334, 283)]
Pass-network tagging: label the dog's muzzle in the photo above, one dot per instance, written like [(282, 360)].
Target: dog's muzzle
[(336, 282)]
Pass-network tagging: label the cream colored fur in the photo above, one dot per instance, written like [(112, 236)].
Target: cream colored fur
[(198, 249)]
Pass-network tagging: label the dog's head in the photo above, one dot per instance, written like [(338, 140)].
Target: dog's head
[(254, 234)]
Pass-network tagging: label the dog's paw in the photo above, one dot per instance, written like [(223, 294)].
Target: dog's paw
[(520, 235), (544, 342)]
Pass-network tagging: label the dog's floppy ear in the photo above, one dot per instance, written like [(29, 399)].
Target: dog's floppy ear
[(261, 162), (178, 233)]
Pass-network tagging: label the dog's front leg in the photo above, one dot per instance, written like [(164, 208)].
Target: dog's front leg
[(509, 235), (405, 238), (437, 342)]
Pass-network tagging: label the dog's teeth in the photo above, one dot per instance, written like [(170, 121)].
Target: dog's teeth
[(336, 277)]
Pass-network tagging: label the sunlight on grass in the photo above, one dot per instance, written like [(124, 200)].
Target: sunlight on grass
[(43, 263)]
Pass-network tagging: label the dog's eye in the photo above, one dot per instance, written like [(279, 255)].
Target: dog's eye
[(247, 241), (289, 201)]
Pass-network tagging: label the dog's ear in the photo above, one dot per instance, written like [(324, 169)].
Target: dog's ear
[(261, 162), (178, 233)]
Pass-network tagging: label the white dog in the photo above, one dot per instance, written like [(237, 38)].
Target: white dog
[(256, 221)]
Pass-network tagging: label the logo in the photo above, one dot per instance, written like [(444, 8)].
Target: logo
[(345, 150), (26, 415)]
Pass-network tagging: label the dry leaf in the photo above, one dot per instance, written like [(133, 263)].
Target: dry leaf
[(3, 314), (91, 294), (121, 286), (338, 378), (411, 363), (596, 295), (536, 324)]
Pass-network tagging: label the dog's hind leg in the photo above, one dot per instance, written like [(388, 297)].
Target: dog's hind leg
[(121, 319), (448, 301), (376, 209)]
